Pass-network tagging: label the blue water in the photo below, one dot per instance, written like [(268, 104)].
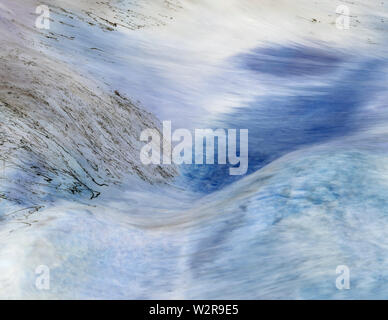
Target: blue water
[(314, 196), (305, 115)]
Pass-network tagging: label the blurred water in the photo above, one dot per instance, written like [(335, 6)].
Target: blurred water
[(317, 101), (315, 196)]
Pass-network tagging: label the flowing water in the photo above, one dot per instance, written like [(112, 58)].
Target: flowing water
[(315, 196)]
